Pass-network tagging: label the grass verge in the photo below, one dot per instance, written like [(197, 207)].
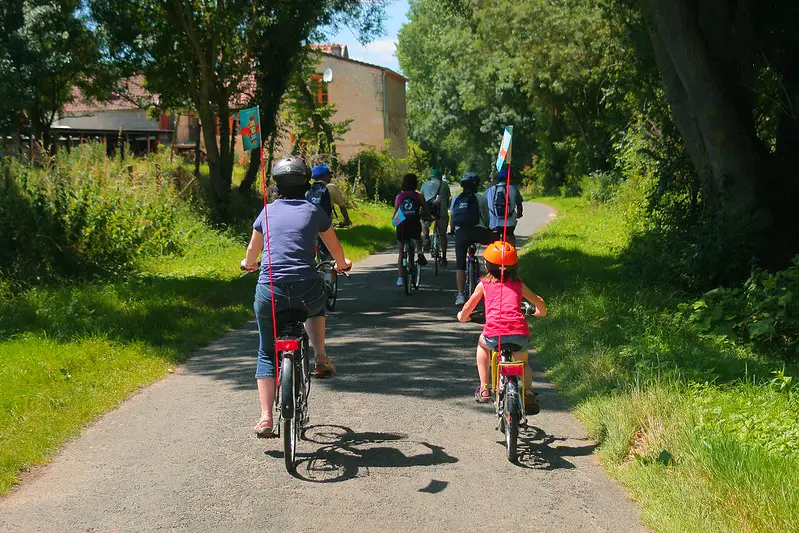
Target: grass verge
[(70, 352), (704, 432)]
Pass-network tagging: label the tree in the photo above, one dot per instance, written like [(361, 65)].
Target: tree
[(277, 59), (731, 76), (46, 47), (193, 54)]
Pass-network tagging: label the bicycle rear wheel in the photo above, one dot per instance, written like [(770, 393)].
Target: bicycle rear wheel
[(287, 409), (511, 418)]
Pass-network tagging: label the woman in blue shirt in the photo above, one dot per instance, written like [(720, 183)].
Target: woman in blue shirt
[(294, 227)]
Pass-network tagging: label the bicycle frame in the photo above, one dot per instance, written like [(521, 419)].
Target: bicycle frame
[(502, 366)]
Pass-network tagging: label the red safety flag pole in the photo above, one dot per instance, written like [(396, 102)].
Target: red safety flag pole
[(250, 127), (504, 157)]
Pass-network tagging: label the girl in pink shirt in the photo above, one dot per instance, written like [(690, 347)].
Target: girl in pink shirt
[(509, 325)]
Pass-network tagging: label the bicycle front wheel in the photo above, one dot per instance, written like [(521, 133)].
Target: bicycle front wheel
[(332, 293)]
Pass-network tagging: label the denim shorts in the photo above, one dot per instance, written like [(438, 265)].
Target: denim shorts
[(521, 340), (307, 295)]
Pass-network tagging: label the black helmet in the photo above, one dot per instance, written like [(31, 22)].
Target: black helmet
[(470, 177), (291, 171)]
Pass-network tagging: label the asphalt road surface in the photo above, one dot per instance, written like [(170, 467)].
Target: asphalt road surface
[(397, 442)]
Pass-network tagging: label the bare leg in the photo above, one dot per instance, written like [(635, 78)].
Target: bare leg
[(316, 334), (266, 396), (483, 362), (528, 371), (399, 261)]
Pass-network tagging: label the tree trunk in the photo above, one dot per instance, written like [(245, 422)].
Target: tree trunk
[(717, 127)]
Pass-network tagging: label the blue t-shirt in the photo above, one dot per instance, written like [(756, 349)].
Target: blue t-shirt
[(294, 228)]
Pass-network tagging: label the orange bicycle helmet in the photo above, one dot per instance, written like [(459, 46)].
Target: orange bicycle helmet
[(493, 254)]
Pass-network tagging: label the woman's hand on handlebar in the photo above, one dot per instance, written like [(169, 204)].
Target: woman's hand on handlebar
[(344, 267), (249, 268)]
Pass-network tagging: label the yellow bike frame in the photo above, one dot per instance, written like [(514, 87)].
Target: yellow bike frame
[(515, 368)]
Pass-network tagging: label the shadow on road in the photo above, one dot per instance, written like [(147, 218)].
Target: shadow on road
[(536, 451), (344, 454)]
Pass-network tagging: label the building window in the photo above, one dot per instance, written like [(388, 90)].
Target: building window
[(318, 90)]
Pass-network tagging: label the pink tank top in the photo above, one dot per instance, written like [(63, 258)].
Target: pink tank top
[(513, 321)]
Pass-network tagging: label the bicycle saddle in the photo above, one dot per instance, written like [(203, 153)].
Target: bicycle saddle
[(289, 322), (511, 347)]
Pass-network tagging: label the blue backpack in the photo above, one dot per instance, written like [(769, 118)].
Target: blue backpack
[(320, 197), (466, 210)]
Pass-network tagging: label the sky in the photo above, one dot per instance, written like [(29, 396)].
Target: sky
[(381, 51)]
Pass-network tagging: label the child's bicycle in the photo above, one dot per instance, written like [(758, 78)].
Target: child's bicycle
[(411, 271), (507, 383)]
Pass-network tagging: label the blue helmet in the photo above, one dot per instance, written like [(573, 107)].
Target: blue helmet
[(319, 171), (502, 175)]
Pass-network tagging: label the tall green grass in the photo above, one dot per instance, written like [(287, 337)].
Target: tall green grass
[(76, 342), (703, 431)]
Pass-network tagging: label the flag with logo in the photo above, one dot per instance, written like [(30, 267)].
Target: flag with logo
[(399, 218), (250, 122), (505, 148)]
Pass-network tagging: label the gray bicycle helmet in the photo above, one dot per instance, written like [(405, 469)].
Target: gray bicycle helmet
[(470, 177), (291, 172)]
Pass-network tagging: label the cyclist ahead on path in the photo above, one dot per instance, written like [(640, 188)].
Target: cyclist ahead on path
[(496, 195), (294, 226), (437, 197), (413, 210), (504, 319), (469, 221), (326, 195)]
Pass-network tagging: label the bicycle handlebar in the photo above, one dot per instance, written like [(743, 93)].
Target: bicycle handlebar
[(331, 264)]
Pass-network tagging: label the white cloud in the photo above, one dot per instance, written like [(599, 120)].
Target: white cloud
[(377, 53)]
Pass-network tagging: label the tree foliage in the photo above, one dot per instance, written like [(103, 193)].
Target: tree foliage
[(46, 47), (694, 98)]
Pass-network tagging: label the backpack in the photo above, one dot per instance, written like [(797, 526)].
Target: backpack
[(320, 197), (434, 203), (466, 210), (410, 207), (499, 201)]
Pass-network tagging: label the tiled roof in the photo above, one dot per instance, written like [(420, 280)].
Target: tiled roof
[(338, 50), (130, 94)]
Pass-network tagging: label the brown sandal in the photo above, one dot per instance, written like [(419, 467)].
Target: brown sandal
[(324, 368)]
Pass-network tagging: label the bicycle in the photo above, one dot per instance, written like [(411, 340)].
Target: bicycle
[(507, 382), (472, 269), (330, 276), (411, 271), (293, 378), (438, 254)]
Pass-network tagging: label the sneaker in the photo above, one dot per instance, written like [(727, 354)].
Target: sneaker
[(444, 261), (482, 395), (400, 283), (460, 299), (421, 260)]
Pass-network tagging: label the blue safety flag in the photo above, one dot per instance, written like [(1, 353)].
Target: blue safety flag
[(504, 149)]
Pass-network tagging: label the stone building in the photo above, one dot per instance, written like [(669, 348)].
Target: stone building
[(373, 97)]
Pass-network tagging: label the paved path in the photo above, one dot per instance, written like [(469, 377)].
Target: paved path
[(398, 443)]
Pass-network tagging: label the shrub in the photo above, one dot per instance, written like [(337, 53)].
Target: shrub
[(82, 214), (765, 311), (378, 172)]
